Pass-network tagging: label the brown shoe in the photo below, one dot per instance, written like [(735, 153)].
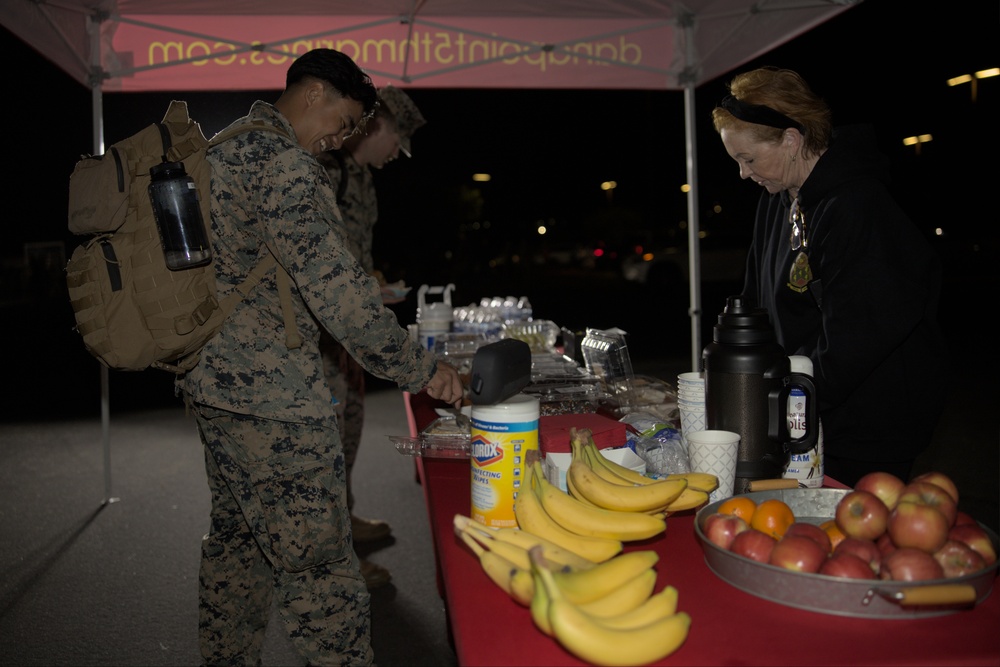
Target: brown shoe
[(369, 530), (375, 575)]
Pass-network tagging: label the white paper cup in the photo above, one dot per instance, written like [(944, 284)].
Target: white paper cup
[(691, 395), (692, 418), (692, 378), (715, 452)]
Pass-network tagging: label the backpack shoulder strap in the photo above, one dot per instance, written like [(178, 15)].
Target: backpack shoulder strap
[(293, 339)]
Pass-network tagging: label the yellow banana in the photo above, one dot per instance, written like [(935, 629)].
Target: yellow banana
[(623, 599), (539, 605), (584, 449), (522, 586), (622, 474), (511, 552), (603, 579), (573, 491), (639, 498), (513, 580), (593, 459), (592, 640), (700, 481), (654, 608), (533, 518), (558, 557), (689, 499), (583, 519)]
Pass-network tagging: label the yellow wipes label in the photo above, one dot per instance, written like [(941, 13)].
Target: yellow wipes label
[(497, 456)]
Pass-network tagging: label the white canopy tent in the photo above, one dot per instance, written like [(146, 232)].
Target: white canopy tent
[(186, 45)]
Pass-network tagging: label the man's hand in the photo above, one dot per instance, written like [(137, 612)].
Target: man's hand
[(446, 385)]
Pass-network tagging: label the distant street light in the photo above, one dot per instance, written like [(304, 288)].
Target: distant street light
[(609, 187), (481, 178), (973, 79), (917, 141)]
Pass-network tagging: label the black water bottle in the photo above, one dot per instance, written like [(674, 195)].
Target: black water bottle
[(176, 208)]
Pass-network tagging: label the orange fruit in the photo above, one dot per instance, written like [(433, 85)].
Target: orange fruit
[(741, 506), (772, 517), (834, 531)]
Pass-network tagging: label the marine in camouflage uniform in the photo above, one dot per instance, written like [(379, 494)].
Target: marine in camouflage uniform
[(387, 134), (275, 464)]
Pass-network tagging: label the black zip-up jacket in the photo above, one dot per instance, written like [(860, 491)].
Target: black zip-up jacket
[(867, 317)]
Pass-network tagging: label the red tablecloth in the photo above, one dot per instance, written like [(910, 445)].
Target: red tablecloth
[(729, 626)]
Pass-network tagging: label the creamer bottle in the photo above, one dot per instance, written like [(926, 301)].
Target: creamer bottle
[(500, 437), (807, 468)]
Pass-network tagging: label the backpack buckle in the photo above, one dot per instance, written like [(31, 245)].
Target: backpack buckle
[(204, 310)]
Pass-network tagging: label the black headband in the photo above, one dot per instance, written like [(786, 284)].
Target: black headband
[(758, 114)]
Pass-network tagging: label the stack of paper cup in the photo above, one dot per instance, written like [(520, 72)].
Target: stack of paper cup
[(691, 403)]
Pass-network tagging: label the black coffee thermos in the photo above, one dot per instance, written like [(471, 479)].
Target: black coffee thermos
[(747, 381), (177, 210)]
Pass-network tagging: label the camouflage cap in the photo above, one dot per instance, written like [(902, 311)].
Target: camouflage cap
[(406, 114)]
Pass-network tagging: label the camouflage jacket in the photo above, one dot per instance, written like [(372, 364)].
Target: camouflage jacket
[(358, 206), (267, 189)]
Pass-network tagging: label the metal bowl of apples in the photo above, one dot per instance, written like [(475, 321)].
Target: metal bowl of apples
[(840, 595)]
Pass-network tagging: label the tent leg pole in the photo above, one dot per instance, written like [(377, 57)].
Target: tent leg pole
[(97, 125), (106, 434), (694, 250)]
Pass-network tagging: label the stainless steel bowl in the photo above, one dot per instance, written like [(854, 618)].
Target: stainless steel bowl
[(833, 595)]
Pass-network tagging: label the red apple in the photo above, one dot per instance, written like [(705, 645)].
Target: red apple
[(919, 526), (812, 531), (925, 493), (908, 564), (885, 545), (753, 544), (846, 565), (884, 485), (720, 529), (977, 538), (962, 518), (861, 514), (799, 553), (957, 559), (940, 479), (866, 550)]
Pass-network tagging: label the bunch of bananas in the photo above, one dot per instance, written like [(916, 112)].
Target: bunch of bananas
[(564, 561), (503, 555), (606, 613), (607, 619), (596, 480)]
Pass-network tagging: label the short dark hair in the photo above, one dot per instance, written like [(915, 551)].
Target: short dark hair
[(337, 70)]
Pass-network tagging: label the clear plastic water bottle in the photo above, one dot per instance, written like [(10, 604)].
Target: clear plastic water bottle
[(524, 306), (176, 207)]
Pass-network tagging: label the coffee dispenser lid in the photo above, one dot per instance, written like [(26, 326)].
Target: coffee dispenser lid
[(740, 323)]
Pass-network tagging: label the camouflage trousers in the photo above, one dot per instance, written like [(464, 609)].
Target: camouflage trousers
[(346, 379), (279, 527)]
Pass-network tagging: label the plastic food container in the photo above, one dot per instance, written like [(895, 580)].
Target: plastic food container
[(540, 335), (443, 438)]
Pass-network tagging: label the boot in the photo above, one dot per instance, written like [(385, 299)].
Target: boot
[(369, 530)]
